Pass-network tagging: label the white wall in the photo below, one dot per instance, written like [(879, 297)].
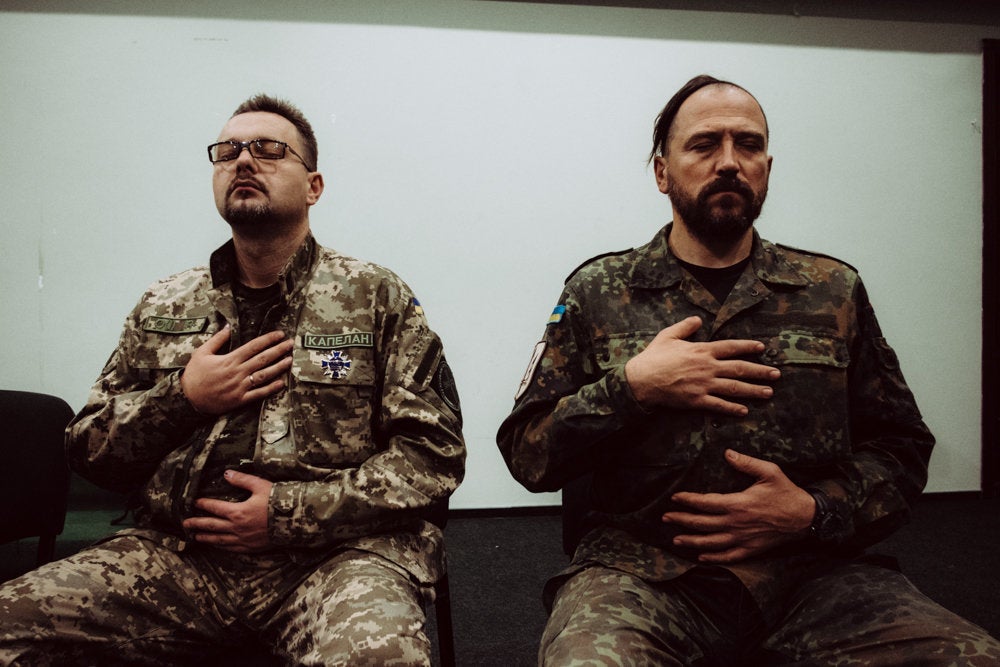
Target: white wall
[(482, 151)]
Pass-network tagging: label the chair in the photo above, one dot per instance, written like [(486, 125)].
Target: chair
[(576, 504), (438, 515), (34, 476)]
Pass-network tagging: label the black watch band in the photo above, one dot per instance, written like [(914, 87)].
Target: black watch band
[(828, 521)]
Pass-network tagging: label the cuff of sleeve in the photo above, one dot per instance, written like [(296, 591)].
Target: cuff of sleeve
[(620, 392), (180, 406), (626, 405)]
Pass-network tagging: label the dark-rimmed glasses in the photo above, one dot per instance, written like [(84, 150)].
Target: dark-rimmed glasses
[(265, 149)]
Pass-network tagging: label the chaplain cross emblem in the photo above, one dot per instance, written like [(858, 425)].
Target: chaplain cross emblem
[(336, 365)]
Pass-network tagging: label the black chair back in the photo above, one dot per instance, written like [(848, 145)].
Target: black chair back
[(34, 476)]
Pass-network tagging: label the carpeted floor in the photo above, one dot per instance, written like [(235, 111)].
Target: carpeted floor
[(499, 561)]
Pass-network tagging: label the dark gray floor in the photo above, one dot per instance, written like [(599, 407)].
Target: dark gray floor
[(498, 565)]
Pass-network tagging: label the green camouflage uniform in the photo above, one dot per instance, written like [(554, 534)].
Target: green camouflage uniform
[(841, 419), (365, 437)]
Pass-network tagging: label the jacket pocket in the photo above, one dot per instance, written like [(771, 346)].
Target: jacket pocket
[(804, 348), (333, 392), (807, 420)]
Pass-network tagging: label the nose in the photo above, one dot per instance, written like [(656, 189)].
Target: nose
[(244, 160), (727, 163)]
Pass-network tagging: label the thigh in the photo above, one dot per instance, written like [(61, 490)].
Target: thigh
[(356, 608), (867, 615), (602, 616), (124, 601)]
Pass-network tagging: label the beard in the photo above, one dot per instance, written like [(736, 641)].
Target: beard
[(717, 227), (246, 214), (254, 218)]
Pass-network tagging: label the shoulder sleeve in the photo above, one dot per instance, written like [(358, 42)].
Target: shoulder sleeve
[(566, 405), (133, 416)]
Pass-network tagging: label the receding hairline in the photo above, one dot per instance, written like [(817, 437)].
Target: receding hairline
[(716, 86), (663, 126)]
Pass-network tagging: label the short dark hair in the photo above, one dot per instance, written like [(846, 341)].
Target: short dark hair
[(663, 125), (288, 111)]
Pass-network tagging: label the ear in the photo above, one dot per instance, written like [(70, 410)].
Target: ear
[(315, 188), (660, 169)]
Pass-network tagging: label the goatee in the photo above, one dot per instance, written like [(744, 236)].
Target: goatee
[(248, 216)]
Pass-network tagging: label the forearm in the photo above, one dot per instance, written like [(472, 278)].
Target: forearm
[(124, 431), (547, 443), (387, 491)]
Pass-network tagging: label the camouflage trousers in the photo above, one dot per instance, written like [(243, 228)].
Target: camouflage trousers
[(857, 614), (131, 601)]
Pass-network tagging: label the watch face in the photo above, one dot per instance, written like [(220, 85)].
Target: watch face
[(830, 524), (829, 521)]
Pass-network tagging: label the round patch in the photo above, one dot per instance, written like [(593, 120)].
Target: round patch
[(444, 385)]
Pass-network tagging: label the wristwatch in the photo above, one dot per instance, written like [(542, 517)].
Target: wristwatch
[(829, 522)]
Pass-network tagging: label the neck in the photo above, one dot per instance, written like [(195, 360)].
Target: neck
[(261, 259), (693, 250)]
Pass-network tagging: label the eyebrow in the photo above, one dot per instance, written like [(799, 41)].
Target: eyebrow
[(715, 135)]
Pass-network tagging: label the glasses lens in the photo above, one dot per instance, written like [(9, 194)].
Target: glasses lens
[(223, 151), (268, 149)]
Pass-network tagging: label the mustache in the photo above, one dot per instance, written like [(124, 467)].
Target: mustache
[(244, 181), (724, 184)]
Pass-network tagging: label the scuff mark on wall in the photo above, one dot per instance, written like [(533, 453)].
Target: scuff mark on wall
[(41, 265)]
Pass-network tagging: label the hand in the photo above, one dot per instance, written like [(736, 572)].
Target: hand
[(731, 527), (218, 383), (675, 373), (240, 527)]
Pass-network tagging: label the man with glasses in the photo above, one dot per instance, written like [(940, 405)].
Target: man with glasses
[(283, 418), (738, 432)]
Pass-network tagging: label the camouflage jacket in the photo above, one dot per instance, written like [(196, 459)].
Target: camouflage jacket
[(366, 434), (841, 419)]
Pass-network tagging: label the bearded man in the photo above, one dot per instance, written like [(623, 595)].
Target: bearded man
[(738, 429)]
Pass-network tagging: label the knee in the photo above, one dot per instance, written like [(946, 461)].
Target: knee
[(405, 650), (369, 649), (384, 634)]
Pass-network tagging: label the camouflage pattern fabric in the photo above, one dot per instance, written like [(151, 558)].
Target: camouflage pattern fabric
[(852, 614), (366, 434), (841, 418), (132, 601)]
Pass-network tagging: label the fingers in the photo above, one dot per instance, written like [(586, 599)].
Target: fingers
[(754, 467), (738, 347), (683, 329), (216, 342), (266, 348), (268, 380), (243, 480), (264, 358)]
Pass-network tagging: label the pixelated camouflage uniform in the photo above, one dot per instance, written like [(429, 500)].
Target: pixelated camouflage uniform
[(357, 449), (841, 418)]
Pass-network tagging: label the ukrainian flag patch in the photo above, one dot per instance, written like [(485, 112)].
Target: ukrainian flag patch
[(557, 314), (417, 307)]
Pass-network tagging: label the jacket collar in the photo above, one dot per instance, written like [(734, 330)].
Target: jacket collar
[(291, 279), (658, 268)]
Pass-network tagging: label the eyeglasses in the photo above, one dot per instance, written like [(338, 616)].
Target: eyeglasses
[(265, 149)]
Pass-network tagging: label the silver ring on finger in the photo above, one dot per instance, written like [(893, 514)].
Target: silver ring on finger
[(253, 383)]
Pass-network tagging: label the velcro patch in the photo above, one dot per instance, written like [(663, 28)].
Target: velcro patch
[(337, 341), (536, 356), (175, 326)]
